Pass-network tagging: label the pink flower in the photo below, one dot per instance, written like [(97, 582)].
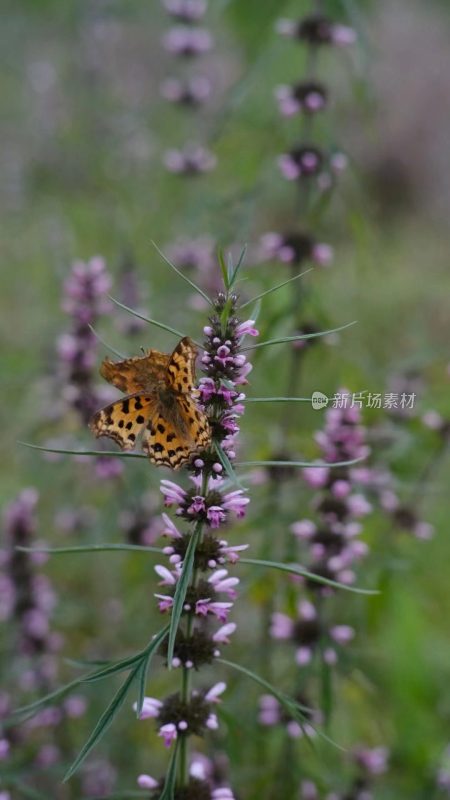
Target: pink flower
[(246, 329), (150, 709), (215, 516), (316, 477), (222, 635), (168, 733), (234, 501), (212, 696), (147, 782), (282, 626), (173, 494), (170, 529)]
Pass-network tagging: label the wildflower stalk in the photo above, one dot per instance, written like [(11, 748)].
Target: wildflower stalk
[(313, 170)]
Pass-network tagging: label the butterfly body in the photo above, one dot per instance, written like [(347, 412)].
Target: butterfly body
[(160, 404)]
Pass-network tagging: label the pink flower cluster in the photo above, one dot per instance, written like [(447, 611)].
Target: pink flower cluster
[(85, 300)]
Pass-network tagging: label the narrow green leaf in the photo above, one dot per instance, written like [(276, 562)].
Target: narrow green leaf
[(91, 548), (104, 722), (168, 792), (154, 322), (225, 315), (107, 346), (275, 288), (97, 453), (298, 338), (296, 570), (131, 794), (278, 399), (281, 697), (26, 791), (292, 707), (316, 464), (116, 666), (230, 269), (254, 313), (182, 275), (109, 669), (30, 709), (83, 663), (223, 268), (238, 266), (145, 666), (227, 465), (180, 593)]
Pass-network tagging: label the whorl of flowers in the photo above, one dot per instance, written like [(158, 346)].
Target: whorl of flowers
[(28, 600), (25, 595), (205, 508), (306, 163), (368, 764), (85, 300), (187, 40), (330, 538)]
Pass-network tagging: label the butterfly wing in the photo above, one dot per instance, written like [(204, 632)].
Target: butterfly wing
[(181, 367), (172, 438), (136, 374), (125, 419), (180, 429)]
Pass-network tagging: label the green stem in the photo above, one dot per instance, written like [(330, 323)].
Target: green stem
[(186, 680)]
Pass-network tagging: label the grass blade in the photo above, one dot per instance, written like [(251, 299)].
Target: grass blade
[(104, 722), (182, 275), (284, 339), (275, 288), (180, 592), (296, 570)]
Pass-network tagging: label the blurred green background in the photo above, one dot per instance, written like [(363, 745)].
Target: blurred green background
[(83, 130)]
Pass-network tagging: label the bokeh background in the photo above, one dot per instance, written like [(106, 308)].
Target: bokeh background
[(83, 130)]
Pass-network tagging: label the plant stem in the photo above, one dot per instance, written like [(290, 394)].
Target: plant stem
[(186, 682)]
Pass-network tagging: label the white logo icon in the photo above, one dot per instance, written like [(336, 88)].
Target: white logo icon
[(319, 400)]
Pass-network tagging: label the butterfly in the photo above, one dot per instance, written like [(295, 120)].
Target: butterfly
[(160, 404)]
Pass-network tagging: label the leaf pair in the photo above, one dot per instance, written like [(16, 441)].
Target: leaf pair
[(138, 666)]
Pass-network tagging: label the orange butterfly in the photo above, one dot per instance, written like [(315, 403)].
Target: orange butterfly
[(160, 402)]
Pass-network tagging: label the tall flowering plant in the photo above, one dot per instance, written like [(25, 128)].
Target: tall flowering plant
[(196, 591), (195, 586)]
